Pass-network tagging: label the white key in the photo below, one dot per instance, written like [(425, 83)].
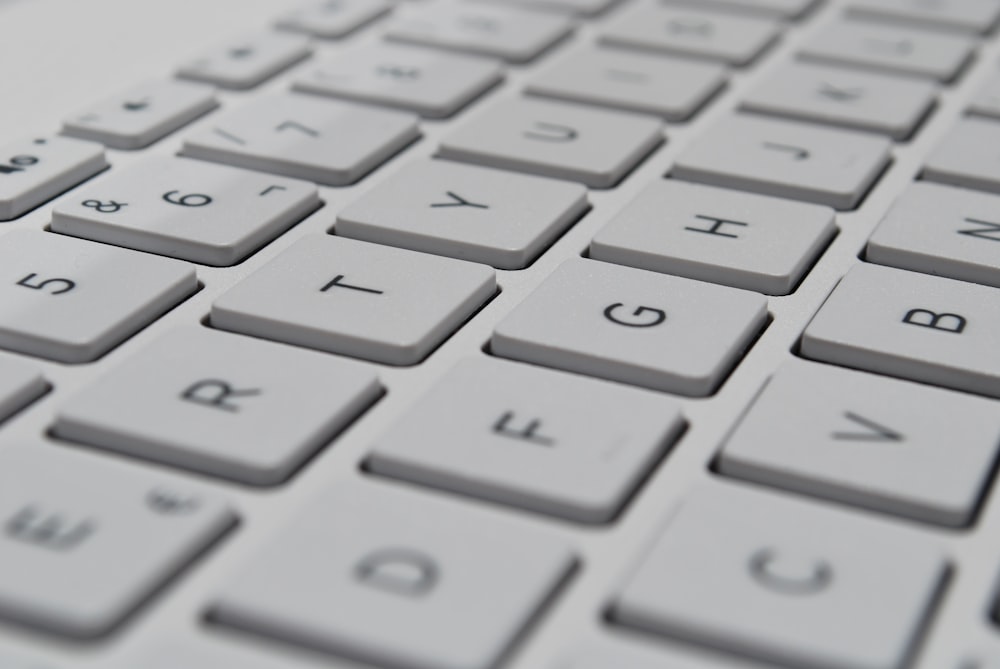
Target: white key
[(709, 234), (142, 114), (882, 444), (590, 655), (941, 230), (20, 385), (354, 298), (846, 98), (514, 35), (220, 404), (333, 19), (87, 540), (431, 83), (303, 137), (914, 326), (247, 62), (776, 9), (967, 156), (967, 16), (786, 159), (203, 654), (592, 146), (628, 325), (392, 578), (531, 438), (987, 100), (785, 582), (33, 171), (73, 301), (917, 53), (583, 8), (186, 209), (467, 212), (734, 40), (672, 88)]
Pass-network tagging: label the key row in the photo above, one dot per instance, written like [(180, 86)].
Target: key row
[(363, 553)]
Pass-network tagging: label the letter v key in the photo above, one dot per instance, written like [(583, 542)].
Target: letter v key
[(873, 431)]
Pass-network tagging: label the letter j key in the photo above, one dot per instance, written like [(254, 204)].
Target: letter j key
[(910, 325)]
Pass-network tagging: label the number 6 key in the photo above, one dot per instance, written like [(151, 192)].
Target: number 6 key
[(209, 214)]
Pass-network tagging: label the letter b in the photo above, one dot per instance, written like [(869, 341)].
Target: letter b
[(926, 318)]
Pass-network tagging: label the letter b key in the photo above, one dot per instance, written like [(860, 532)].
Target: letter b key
[(910, 325)]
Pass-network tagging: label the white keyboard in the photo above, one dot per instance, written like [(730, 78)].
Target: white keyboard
[(499, 334)]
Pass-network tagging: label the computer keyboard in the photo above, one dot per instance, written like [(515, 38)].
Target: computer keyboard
[(499, 334)]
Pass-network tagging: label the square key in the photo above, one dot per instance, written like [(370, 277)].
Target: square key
[(187, 209), (305, 137), (355, 298), (73, 301), (432, 83), (230, 406), (391, 578), (786, 159), (86, 540), (673, 88), (737, 239), (787, 583), (967, 156), (532, 438), (593, 146), (941, 230), (914, 326), (637, 327), (861, 439), (473, 213)]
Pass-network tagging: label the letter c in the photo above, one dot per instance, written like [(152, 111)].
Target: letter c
[(648, 316)]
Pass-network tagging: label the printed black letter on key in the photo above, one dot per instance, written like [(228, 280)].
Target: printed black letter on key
[(928, 319)]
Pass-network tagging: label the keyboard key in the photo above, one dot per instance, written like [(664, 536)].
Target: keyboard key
[(247, 62), (143, 114), (582, 8), (866, 440), (354, 298), (941, 230), (786, 159), (229, 406), (73, 301), (531, 438), (33, 171), (430, 83), (186, 209), (788, 583), (514, 35), (592, 146), (333, 19), (916, 53), (776, 9), (967, 16), (967, 156), (647, 656), (730, 39), (632, 326), (847, 98), (709, 234), (186, 654), (471, 213), (909, 325), (671, 88), (303, 137), (987, 101), (20, 385), (389, 577), (85, 540)]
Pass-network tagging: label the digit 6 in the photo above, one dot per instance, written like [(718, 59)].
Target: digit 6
[(189, 200)]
